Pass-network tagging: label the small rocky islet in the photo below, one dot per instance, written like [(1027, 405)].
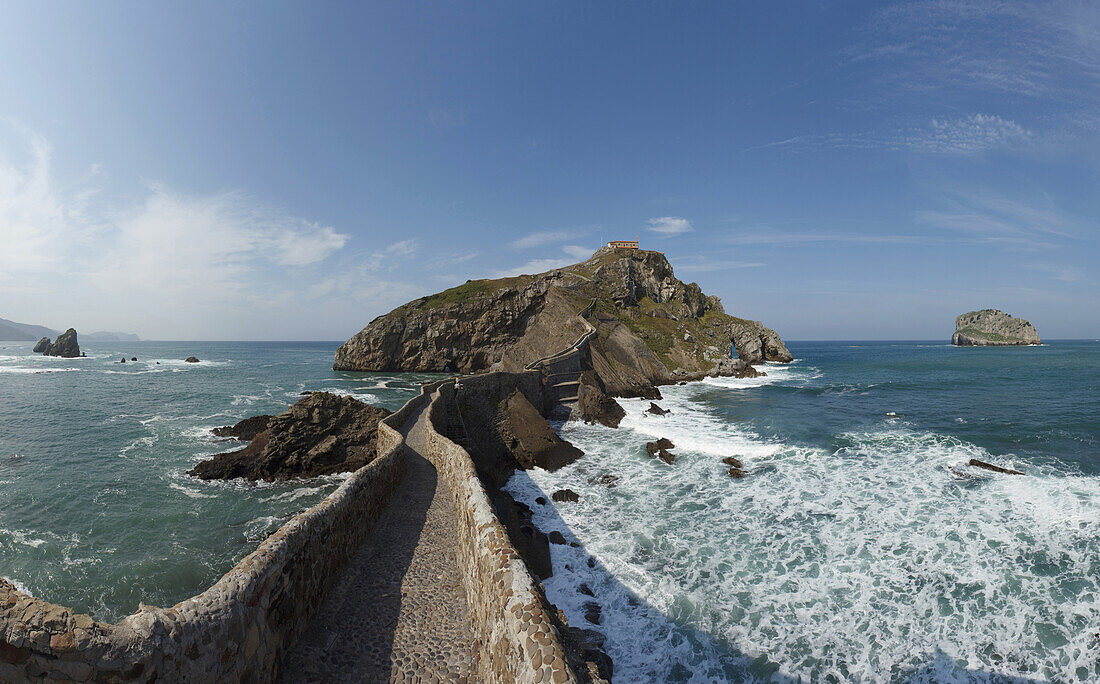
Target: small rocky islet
[(66, 346), (993, 328)]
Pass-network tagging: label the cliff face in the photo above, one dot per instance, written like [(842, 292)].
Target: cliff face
[(992, 328), (650, 328)]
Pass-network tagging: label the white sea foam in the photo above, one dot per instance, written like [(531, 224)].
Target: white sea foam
[(873, 562), (34, 371), (295, 494), (190, 491), (22, 537), (19, 586), (357, 393)]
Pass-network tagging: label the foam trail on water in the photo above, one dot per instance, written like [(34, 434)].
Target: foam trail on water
[(886, 558)]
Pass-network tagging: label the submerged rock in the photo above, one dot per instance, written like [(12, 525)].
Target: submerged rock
[(320, 435), (607, 479), (997, 469), (656, 410), (993, 328), (565, 495)]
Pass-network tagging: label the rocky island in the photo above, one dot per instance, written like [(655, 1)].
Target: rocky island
[(993, 328), (642, 327), (66, 345)]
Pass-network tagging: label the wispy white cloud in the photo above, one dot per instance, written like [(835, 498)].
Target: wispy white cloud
[(774, 237), (578, 252), (669, 226), (541, 238), (1062, 272), (959, 135), (575, 254), (534, 266), (993, 219), (1042, 50), (209, 256), (708, 266), (973, 133)]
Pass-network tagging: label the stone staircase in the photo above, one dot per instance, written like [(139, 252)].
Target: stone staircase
[(562, 370)]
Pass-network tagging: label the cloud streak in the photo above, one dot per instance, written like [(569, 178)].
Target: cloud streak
[(669, 226)]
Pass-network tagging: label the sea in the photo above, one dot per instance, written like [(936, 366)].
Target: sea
[(860, 546)]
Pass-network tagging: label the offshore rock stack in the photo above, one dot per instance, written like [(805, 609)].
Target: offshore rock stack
[(66, 345)]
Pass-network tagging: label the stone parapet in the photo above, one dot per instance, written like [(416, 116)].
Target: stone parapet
[(235, 631), (516, 639)]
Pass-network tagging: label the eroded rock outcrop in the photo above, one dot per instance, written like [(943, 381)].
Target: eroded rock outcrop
[(322, 434), (651, 329), (531, 440), (65, 346), (993, 328)]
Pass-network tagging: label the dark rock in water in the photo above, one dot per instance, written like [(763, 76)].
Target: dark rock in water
[(663, 443), (304, 394), (565, 495), (736, 368), (592, 612), (122, 360), (585, 589), (607, 479), (588, 645), (556, 537), (531, 439), (656, 410), (732, 461), (246, 430), (737, 473), (133, 358), (660, 449), (591, 561), (320, 435), (540, 500), (191, 359), (997, 469), (66, 345), (531, 542), (595, 405)]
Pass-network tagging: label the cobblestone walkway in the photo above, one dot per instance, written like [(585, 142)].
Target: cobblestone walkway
[(398, 613)]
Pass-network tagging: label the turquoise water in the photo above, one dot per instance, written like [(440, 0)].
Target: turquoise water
[(96, 510), (861, 546)]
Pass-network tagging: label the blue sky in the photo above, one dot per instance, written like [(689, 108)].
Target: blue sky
[(289, 171)]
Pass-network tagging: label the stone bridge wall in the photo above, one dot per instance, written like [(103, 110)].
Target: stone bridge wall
[(235, 631), (516, 640)]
